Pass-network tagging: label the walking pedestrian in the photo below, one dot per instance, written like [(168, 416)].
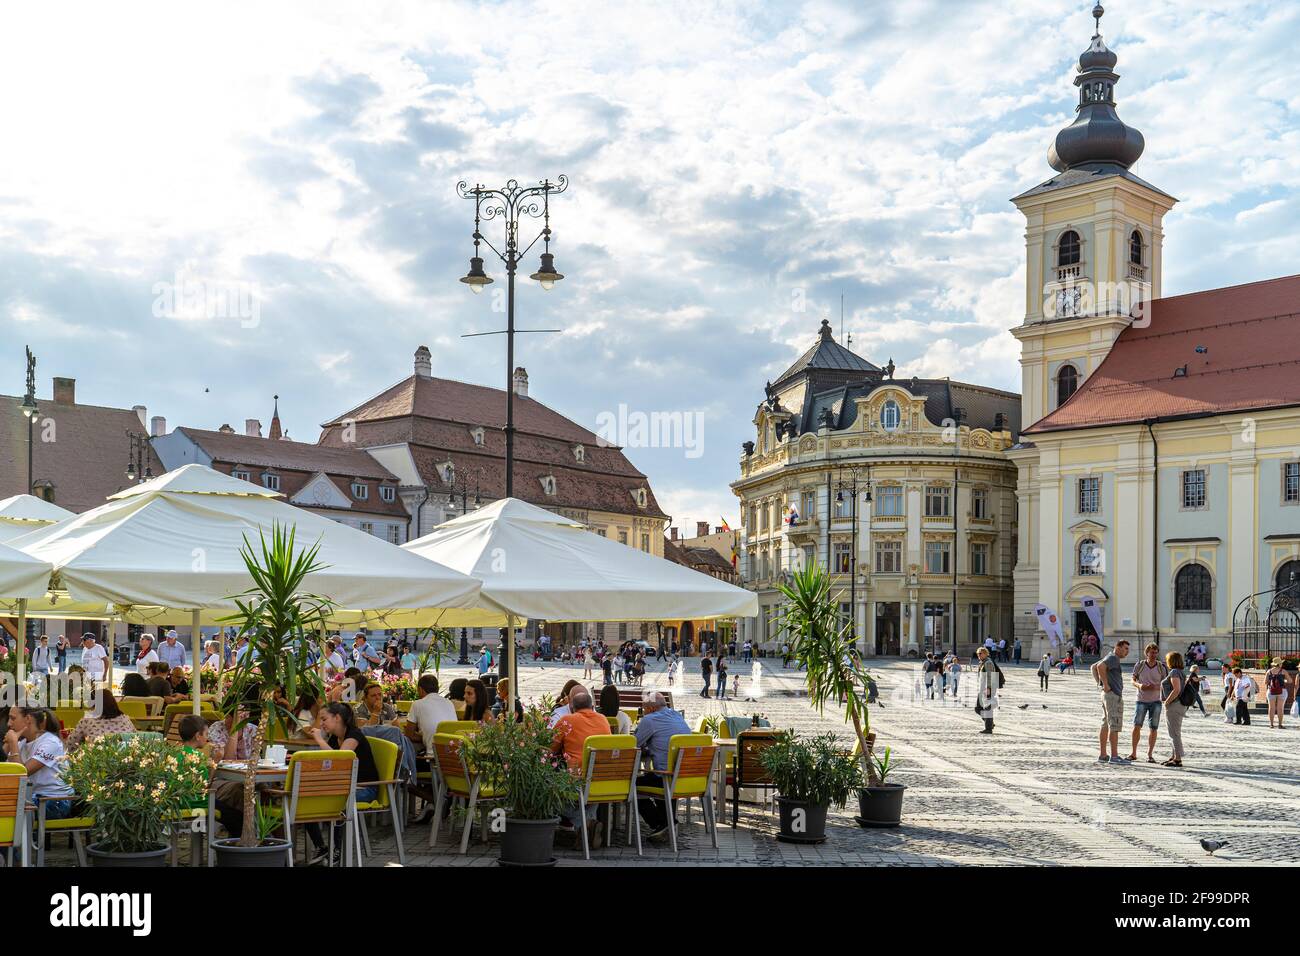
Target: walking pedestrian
[(706, 672), (1177, 698), (927, 676), (720, 669), (1243, 692), (1275, 688), (1044, 671), (1019, 650), (1108, 674), (1195, 681), (988, 682), (1148, 675), (954, 674)]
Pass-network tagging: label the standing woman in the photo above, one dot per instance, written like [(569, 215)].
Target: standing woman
[(988, 681), (720, 669), (1044, 670), (1275, 688), (954, 674), (1172, 688)]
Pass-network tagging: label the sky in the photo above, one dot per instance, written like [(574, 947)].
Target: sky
[(204, 205)]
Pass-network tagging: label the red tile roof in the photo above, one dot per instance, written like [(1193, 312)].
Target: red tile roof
[(1250, 336), (259, 452), (87, 458)]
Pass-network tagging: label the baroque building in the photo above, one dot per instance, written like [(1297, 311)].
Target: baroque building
[(1159, 472), (902, 488)]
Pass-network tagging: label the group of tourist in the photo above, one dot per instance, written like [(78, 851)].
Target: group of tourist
[(1169, 688), (939, 673), (719, 673)]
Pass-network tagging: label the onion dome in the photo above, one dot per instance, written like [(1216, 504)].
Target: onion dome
[(1097, 136)]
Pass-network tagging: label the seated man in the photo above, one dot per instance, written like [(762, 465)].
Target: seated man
[(430, 710), (159, 685), (372, 710), (180, 687), (571, 732), (659, 723)]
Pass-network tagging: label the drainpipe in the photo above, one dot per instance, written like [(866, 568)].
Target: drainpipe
[(1155, 532)]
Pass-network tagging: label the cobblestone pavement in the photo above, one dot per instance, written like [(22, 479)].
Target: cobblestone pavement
[(1033, 793)]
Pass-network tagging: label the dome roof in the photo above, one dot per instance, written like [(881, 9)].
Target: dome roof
[(1097, 136)]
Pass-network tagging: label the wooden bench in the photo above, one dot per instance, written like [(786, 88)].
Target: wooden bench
[(630, 697)]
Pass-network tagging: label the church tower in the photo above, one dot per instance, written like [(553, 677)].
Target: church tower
[(1093, 241)]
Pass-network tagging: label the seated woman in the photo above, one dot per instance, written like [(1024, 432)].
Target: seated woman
[(499, 705), (562, 702), (339, 731), (133, 685), (307, 711), (609, 707), (33, 741), (111, 720), (476, 702), (346, 689)]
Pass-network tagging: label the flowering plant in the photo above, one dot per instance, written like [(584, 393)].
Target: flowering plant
[(207, 678), (135, 785), (514, 757)]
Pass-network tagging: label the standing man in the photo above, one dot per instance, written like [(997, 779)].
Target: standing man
[(1107, 673), (1019, 650), (1243, 692), (988, 681), (363, 655), (94, 659), (41, 658), (61, 654), (706, 671), (171, 651), (1148, 674)]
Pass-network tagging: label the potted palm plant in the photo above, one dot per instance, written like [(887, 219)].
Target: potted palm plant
[(284, 627), (824, 646), (811, 774), (136, 786), (514, 759)]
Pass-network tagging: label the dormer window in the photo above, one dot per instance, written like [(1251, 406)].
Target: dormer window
[(548, 484), (890, 416), (579, 454), (477, 435), (270, 481), (241, 473), (360, 490), (387, 493), (642, 499), (448, 473), (1068, 251)]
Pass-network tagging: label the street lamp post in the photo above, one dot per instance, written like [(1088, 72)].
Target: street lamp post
[(857, 480), (464, 495), (30, 411), (512, 203), (138, 467)]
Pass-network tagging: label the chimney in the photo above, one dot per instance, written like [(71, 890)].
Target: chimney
[(701, 529), (672, 533), (423, 362), (141, 413), (252, 428), (226, 430), (65, 391), (521, 382), (158, 426)]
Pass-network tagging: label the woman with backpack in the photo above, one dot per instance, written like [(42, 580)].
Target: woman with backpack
[(1276, 681), (1179, 695)]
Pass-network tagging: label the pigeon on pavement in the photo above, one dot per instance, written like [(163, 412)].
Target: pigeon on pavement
[(1209, 846)]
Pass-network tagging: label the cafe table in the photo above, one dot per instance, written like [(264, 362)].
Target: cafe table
[(266, 774), (148, 723)]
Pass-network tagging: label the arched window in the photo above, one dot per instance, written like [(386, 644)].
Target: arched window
[(890, 416), (1067, 383), (1090, 561), (1192, 588), (1067, 253), (1135, 248), (1287, 575)]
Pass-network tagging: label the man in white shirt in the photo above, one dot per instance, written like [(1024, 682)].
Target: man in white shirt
[(428, 712), (94, 659), (41, 656), (146, 656), (172, 652)]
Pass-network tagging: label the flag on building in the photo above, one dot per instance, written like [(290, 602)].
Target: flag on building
[(1093, 610), (1049, 622)]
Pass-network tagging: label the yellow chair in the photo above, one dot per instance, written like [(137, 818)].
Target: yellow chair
[(14, 831), (691, 760), (133, 707), (173, 721), (460, 728), (321, 788), (75, 826), (459, 781), (403, 706), (610, 765), (386, 756), (69, 717)]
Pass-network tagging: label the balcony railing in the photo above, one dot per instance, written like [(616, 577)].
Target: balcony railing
[(1137, 271)]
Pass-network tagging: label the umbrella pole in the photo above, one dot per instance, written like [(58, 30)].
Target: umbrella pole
[(21, 671), (512, 687), (108, 665), (196, 636), (221, 667)]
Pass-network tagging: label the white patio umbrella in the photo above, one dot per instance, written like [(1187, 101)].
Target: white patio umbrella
[(536, 564), (22, 577), (173, 545), (23, 513)]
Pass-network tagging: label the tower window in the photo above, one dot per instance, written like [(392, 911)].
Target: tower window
[(1067, 253), (1135, 248), (1067, 383)]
